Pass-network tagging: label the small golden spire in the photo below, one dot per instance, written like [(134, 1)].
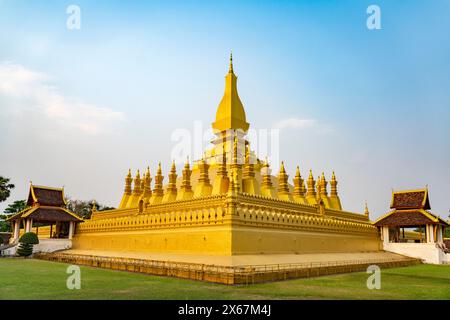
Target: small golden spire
[(159, 168), (266, 179), (94, 206), (186, 182), (282, 167), (235, 151), (298, 184), (311, 191), (158, 189), (128, 181), (222, 167), (333, 185), (249, 168), (137, 184), (172, 186), (147, 191), (366, 210), (283, 187), (323, 185)]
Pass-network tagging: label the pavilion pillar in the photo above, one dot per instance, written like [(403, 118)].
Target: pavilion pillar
[(440, 237), (28, 225), (71, 223), (430, 233), (385, 232), (16, 230)]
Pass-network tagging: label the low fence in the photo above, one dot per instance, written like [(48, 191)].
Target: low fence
[(248, 274)]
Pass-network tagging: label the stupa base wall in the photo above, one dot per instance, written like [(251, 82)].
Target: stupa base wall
[(254, 240), (213, 240), (227, 240)]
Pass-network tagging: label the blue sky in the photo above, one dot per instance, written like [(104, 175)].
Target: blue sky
[(379, 100)]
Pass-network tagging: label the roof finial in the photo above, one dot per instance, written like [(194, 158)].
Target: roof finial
[(366, 210), (231, 62)]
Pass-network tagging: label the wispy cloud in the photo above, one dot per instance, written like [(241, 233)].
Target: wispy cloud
[(294, 123), (29, 89)]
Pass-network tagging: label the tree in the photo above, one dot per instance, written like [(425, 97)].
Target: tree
[(4, 226), (5, 188), (27, 241), (16, 207), (11, 209), (83, 208)]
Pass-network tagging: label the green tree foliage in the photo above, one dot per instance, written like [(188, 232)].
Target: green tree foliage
[(30, 238), (5, 188), (13, 208), (4, 226), (16, 207), (83, 208), (27, 241)]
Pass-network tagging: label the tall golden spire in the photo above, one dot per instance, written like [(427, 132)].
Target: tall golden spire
[(231, 63), (230, 113)]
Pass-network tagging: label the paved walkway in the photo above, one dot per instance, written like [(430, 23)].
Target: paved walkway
[(241, 260)]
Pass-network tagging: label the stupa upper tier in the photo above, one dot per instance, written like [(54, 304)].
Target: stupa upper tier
[(230, 113)]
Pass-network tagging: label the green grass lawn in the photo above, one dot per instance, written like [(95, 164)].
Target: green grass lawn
[(35, 279)]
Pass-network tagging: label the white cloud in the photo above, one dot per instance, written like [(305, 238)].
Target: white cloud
[(294, 123), (28, 89)]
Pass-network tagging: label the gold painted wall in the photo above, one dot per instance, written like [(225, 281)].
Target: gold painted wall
[(229, 225)]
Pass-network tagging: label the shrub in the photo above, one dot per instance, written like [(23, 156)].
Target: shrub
[(26, 244), (29, 238), (25, 249)]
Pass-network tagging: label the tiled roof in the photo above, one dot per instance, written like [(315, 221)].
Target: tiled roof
[(46, 196), (413, 199), (409, 218), (46, 214)]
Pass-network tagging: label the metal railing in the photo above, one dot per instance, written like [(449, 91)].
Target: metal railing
[(243, 274)]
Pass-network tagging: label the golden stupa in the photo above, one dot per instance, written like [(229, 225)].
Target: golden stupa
[(228, 203)]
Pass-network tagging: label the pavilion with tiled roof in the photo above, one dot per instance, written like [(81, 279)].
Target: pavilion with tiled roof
[(45, 206), (411, 209)]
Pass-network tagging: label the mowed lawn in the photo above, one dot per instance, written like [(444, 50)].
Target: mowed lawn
[(35, 279)]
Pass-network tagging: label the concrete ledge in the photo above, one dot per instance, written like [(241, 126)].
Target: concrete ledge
[(52, 245)]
